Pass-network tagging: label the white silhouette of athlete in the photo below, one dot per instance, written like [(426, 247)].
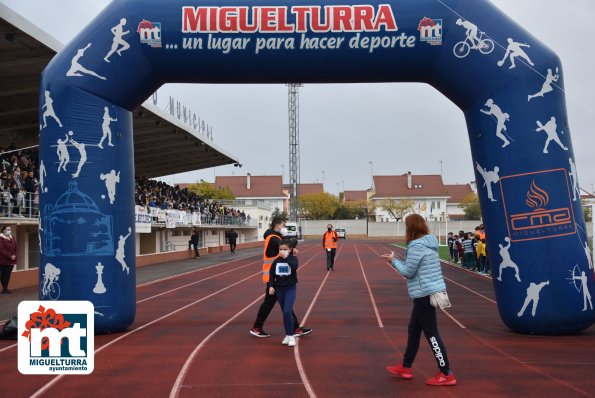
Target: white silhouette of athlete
[(63, 154), (111, 179), (574, 178), (507, 261), (50, 275), (39, 231), (118, 32), (550, 129), (514, 50), (470, 30), (107, 132), (547, 85), (532, 295), (489, 177), (501, 118), (76, 69), (82, 152), (588, 253), (49, 110), (120, 251), (586, 294), (42, 175)]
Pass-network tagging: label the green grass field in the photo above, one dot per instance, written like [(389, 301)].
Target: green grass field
[(442, 250)]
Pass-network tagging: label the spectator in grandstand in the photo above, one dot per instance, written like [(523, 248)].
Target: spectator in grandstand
[(9, 251), (30, 184)]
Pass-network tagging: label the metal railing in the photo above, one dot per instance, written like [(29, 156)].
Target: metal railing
[(208, 219), (20, 205)]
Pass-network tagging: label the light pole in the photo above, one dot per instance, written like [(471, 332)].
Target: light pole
[(372, 172)]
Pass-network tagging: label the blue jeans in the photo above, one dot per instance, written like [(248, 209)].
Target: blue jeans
[(286, 296)]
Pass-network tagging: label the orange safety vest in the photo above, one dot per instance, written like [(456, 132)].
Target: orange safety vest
[(330, 240), (267, 261), (482, 235)]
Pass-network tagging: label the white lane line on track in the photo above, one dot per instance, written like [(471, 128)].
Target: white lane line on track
[(175, 289), (178, 288), (8, 348), (165, 278), (380, 324), (196, 282), (175, 390), (47, 386), (471, 290), (296, 351), (52, 382), (184, 371), (443, 310)]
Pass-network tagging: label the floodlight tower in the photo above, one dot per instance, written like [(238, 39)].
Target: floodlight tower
[(294, 147)]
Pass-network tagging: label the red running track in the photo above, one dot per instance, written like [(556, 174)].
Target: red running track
[(190, 339)]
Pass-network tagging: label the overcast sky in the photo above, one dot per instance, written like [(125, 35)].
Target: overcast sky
[(345, 127)]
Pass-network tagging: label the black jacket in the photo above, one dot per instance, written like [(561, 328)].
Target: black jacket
[(286, 265)]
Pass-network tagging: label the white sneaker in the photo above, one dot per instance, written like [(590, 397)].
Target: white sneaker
[(290, 341), (285, 340)]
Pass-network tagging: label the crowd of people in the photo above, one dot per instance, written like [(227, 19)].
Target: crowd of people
[(158, 194), (20, 187), (469, 250), (19, 182)]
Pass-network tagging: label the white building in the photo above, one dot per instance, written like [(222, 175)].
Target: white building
[(262, 194), (426, 191), (457, 193)]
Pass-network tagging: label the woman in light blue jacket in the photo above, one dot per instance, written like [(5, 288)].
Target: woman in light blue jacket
[(424, 277)]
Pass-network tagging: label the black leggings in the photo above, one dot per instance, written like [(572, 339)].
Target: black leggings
[(423, 318)]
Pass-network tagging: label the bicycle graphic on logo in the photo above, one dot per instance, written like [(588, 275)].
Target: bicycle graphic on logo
[(462, 48), (49, 287)]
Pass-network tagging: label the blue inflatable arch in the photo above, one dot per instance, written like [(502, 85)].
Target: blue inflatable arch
[(507, 83)]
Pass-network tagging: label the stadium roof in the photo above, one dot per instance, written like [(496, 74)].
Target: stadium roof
[(162, 144)]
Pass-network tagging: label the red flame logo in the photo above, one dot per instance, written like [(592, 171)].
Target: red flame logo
[(537, 198)]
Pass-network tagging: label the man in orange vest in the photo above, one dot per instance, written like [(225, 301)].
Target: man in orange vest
[(272, 238), (329, 242)]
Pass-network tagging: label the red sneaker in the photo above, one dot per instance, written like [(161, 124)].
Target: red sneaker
[(401, 371), (442, 380)]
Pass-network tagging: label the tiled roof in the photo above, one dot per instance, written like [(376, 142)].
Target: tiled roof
[(306, 189), (421, 185), (260, 186), (458, 192), (356, 195)]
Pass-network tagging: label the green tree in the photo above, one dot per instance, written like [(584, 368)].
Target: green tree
[(318, 206), (397, 208), (587, 213), (470, 205), (208, 191), (351, 209), (280, 214)]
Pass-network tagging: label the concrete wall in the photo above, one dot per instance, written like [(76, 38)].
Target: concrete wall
[(357, 228)]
